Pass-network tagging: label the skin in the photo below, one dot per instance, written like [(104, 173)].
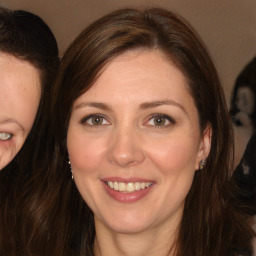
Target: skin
[(127, 144), (245, 101), (19, 99)]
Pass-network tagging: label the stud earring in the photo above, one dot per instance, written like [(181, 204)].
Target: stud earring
[(70, 169), (202, 164)]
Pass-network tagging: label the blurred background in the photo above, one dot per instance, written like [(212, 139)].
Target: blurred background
[(228, 28)]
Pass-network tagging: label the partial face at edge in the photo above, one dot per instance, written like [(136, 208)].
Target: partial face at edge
[(134, 143), (19, 99)]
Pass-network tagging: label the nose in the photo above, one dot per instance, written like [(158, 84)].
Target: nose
[(125, 149)]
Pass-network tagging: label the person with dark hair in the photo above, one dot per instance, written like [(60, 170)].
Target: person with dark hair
[(28, 60), (135, 157), (243, 103), (243, 113), (28, 65)]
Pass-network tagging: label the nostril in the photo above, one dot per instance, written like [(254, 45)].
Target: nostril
[(124, 162), (124, 149)]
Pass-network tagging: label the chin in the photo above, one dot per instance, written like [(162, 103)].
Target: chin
[(128, 229), (127, 224)]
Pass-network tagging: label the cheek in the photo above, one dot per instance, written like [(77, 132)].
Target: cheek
[(28, 114), (86, 154), (173, 154), (8, 150)]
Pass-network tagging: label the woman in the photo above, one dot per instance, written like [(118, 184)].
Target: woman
[(243, 113), (139, 114), (243, 110), (28, 61)]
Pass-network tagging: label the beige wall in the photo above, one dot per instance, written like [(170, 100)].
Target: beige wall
[(228, 28)]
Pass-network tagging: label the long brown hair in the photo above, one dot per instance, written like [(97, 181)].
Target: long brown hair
[(55, 218), (26, 37)]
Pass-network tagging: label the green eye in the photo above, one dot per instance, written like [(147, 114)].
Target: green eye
[(94, 120), (160, 121)]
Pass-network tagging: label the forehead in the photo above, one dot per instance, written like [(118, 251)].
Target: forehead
[(138, 69), (20, 89), (136, 78), (245, 89), (18, 77)]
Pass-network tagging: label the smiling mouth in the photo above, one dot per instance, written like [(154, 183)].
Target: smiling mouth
[(128, 187)]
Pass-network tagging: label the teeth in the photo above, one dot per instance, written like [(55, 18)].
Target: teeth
[(111, 184), (137, 186), (121, 186), (115, 185), (128, 187), (147, 184)]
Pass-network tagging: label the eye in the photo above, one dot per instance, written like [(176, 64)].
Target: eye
[(95, 120), (5, 136), (160, 120)]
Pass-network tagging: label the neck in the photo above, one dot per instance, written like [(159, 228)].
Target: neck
[(156, 241)]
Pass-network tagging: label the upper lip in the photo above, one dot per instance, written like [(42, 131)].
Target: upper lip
[(126, 180)]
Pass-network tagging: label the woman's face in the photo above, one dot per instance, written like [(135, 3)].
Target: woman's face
[(245, 101), (134, 143), (19, 99)]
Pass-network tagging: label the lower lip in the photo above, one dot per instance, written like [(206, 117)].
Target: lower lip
[(127, 197)]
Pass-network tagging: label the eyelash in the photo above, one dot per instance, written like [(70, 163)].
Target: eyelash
[(85, 120), (165, 117)]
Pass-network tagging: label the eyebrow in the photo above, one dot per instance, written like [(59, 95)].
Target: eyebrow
[(12, 121), (99, 105), (154, 104), (146, 105)]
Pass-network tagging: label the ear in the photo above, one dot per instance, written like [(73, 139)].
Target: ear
[(204, 146)]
